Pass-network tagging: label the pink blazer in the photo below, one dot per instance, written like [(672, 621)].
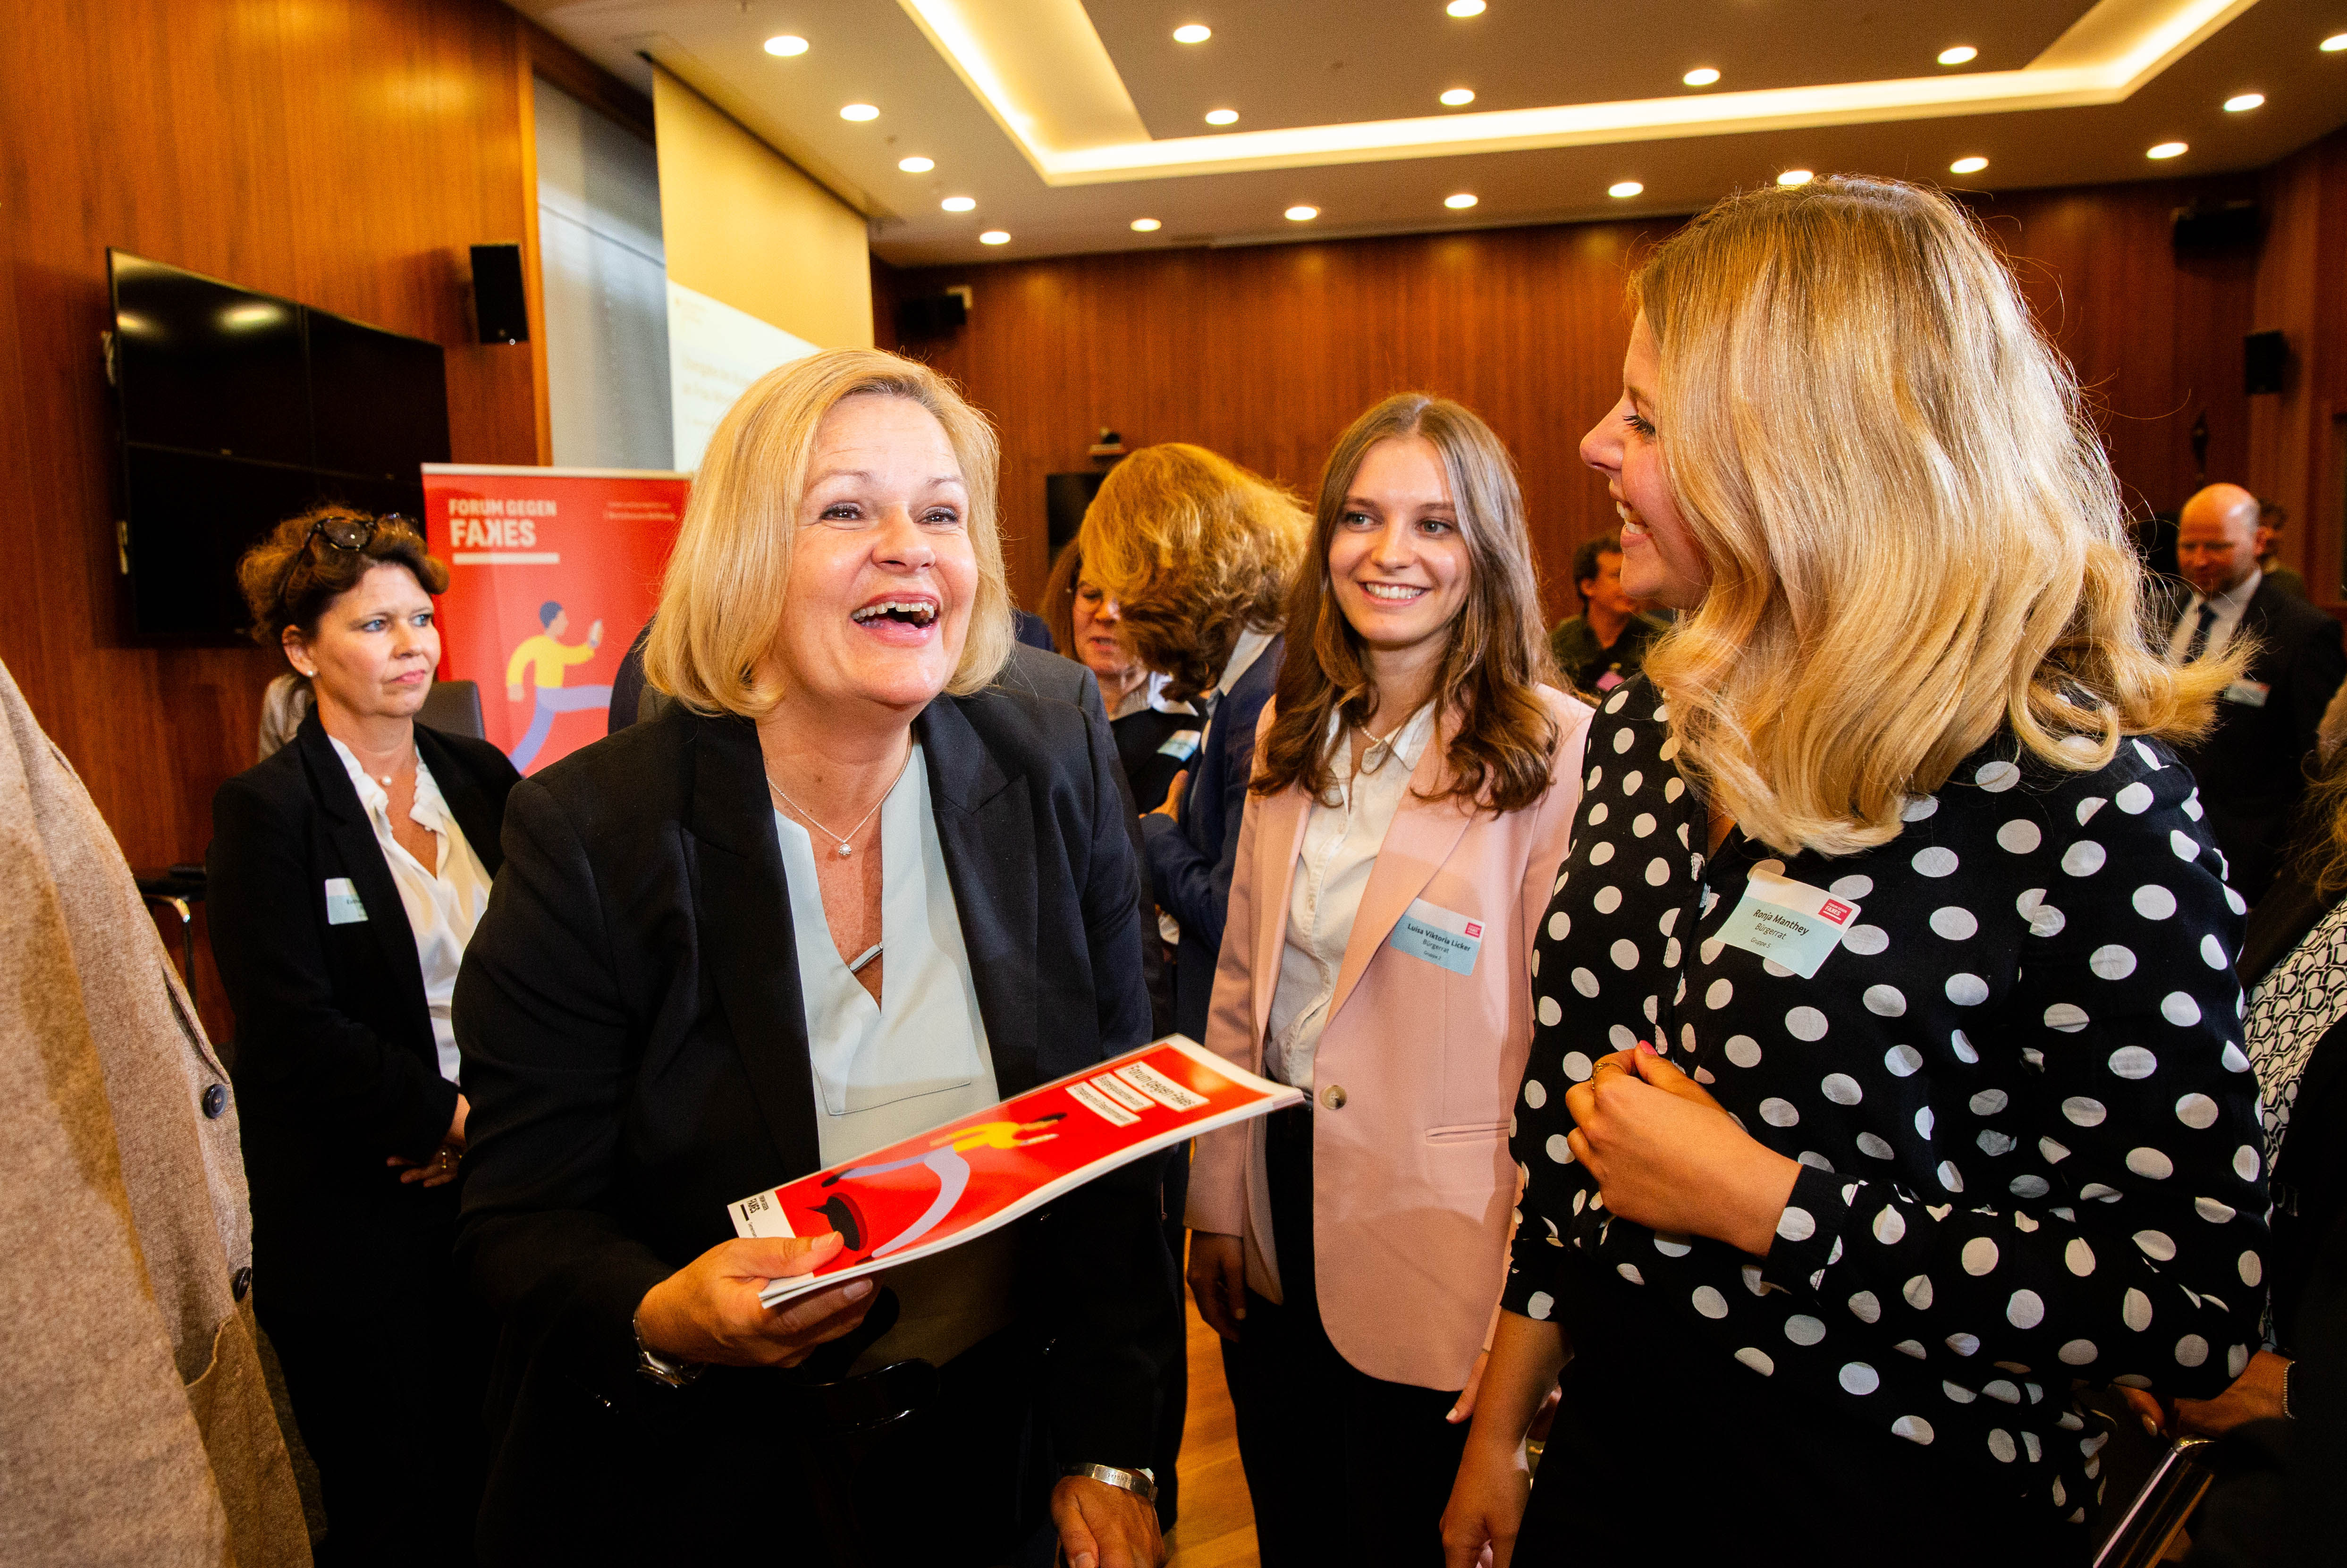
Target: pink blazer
[(1413, 1188)]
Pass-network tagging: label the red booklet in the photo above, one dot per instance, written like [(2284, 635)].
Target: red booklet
[(961, 1179)]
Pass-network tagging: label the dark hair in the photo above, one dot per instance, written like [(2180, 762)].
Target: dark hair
[(1498, 653), (1059, 597), (289, 578), (1584, 562), (548, 610)]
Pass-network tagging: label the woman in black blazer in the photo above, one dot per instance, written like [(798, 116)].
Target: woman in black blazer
[(689, 987), (345, 874)]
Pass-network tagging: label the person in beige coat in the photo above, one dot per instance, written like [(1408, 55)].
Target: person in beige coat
[(137, 1427)]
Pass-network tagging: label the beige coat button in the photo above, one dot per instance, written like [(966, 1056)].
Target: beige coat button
[(1333, 1096)]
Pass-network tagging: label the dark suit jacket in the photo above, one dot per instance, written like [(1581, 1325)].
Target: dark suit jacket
[(2250, 765), (335, 1067), (1191, 861), (636, 1053)]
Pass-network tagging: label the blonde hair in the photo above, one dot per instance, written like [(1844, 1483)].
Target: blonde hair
[(1195, 549), (1498, 651), (724, 592), (1914, 535)]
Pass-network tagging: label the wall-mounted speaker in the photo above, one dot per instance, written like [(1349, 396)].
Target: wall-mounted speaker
[(1066, 499), (930, 315), (500, 307), (2264, 357), (2209, 230)]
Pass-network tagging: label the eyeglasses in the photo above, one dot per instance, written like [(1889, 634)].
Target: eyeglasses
[(343, 533)]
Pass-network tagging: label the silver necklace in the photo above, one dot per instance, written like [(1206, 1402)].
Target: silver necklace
[(846, 848)]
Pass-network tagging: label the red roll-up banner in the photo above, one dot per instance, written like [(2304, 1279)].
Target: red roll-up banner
[(551, 574)]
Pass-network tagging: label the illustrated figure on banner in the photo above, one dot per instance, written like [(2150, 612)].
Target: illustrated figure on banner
[(944, 1158), (551, 656)]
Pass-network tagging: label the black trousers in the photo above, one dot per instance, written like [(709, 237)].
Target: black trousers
[(1344, 1468)]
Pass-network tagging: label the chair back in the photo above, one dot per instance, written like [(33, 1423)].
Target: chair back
[(453, 706)]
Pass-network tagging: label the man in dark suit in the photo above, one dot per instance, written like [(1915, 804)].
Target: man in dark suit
[(2252, 764)]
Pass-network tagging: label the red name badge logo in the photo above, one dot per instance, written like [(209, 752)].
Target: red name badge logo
[(1837, 911), (1474, 930)]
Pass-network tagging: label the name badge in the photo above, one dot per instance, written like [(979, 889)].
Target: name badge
[(1791, 922), (1430, 932), (1181, 745), (343, 906), (2249, 693)]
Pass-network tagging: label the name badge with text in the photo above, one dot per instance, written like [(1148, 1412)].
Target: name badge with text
[(2249, 693), (342, 905), (1430, 931), (1791, 922)]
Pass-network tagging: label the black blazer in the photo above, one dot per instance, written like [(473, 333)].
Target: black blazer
[(2250, 766), (334, 1064), (636, 1054)]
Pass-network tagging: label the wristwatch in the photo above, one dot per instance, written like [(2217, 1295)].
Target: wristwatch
[(659, 1368), (1142, 1483)]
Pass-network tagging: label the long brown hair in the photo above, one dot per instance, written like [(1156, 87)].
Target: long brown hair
[(1500, 753)]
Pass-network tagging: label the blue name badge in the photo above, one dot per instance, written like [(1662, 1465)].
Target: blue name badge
[(1181, 745), (1430, 932), (1789, 922), (342, 905)]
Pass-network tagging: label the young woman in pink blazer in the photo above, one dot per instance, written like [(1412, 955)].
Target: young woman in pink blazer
[(1414, 784)]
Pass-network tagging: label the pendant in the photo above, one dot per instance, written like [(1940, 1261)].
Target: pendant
[(847, 848)]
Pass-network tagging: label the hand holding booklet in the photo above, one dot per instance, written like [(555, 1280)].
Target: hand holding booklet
[(957, 1182)]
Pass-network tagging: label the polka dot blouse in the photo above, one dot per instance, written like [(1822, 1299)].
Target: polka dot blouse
[(2027, 1131)]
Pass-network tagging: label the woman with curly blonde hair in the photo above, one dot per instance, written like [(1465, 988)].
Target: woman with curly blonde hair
[(1888, 1089)]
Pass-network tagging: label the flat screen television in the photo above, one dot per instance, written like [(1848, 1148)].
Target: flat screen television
[(238, 409)]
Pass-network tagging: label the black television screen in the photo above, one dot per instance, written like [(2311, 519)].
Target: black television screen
[(239, 409)]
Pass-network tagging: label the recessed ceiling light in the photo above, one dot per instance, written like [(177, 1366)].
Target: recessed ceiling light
[(785, 44), (917, 165), (1302, 214), (1701, 77), (2168, 150), (1475, 8), (1968, 166), (1458, 96), (1795, 177), (859, 112), (1192, 33), (959, 203), (1460, 203), (1962, 55), (1623, 190), (2333, 43), (994, 237), (1222, 117), (2243, 102), (1146, 225)]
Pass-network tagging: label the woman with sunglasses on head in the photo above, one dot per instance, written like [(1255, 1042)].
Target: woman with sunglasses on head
[(347, 875)]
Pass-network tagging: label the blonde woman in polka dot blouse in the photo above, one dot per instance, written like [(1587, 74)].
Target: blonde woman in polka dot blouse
[(1887, 1090)]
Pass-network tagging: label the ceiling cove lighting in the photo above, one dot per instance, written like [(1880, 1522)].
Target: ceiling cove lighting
[(2168, 150), (1962, 55), (960, 204), (787, 45), (1222, 117), (1701, 77), (1968, 166), (2243, 103), (1461, 203), (1146, 225), (1623, 190), (1192, 33), (995, 237), (917, 165), (1475, 8), (859, 112), (1458, 95), (1795, 177), (1302, 214)]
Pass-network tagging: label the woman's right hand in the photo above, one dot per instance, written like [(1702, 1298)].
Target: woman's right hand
[(708, 1311), (1487, 1506), (1218, 1280)]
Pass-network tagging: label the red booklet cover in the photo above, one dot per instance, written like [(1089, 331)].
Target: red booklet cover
[(965, 1178)]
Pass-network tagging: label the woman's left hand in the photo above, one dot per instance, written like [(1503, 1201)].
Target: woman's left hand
[(437, 1172), (1666, 1156), (2255, 1396), (1105, 1526)]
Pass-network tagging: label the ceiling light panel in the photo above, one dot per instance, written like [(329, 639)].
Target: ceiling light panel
[(1301, 214), (1623, 190), (1461, 203), (1146, 225), (858, 112), (960, 204), (994, 237), (1458, 98), (1463, 9), (787, 45), (1192, 33), (917, 165), (2242, 103), (2166, 150), (1962, 55), (1222, 117), (1968, 165), (1701, 77)]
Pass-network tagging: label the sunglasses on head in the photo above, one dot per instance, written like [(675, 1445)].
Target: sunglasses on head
[(343, 532)]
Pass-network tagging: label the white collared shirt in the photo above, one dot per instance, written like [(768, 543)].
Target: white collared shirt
[(444, 902), (1332, 870), (1243, 654), (1148, 695), (2229, 606)]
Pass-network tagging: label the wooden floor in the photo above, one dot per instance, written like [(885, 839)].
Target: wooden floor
[(1217, 1527)]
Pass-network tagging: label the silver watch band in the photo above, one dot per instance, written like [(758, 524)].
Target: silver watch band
[(659, 1368), (1142, 1483)]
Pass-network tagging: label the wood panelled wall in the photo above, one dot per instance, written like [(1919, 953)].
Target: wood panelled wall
[(344, 153), (1266, 354)]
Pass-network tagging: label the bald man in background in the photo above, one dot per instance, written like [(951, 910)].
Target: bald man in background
[(2252, 765)]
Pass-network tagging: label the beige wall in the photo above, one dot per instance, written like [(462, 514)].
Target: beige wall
[(742, 225)]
